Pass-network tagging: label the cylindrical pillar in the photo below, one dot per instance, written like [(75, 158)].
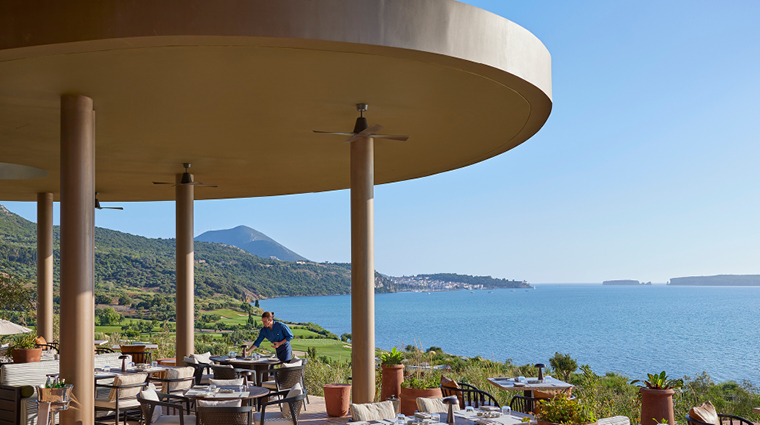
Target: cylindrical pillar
[(45, 265), (362, 271), (185, 272), (77, 256)]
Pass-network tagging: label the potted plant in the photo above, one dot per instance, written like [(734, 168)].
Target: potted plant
[(23, 351), (563, 410), (657, 398), (392, 372), (419, 384)]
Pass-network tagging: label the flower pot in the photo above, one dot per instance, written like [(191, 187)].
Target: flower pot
[(656, 405), (393, 376), (337, 399), (27, 355), (409, 398)]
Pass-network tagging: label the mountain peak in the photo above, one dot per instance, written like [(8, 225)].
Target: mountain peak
[(250, 240)]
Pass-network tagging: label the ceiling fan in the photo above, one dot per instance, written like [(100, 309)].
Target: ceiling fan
[(363, 129), (187, 178), (98, 207)]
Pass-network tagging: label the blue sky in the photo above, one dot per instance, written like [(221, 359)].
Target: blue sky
[(646, 169)]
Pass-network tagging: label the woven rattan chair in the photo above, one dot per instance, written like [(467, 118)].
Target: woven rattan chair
[(225, 372), (724, 419), (284, 378), (173, 382), (292, 404), (470, 395), (176, 407), (215, 415)]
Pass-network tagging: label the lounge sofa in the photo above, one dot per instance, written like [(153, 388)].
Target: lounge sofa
[(18, 376)]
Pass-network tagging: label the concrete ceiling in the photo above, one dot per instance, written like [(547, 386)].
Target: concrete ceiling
[(236, 88)]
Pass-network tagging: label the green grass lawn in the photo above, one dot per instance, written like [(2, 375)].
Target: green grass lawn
[(331, 348)]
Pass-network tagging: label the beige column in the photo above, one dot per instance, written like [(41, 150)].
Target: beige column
[(185, 272), (45, 265), (362, 271), (77, 255)]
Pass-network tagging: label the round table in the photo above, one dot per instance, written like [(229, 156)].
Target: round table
[(253, 393), (256, 365)]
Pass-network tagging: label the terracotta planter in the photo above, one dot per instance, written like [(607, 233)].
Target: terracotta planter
[(393, 376), (656, 405), (337, 399), (28, 355), (409, 398)]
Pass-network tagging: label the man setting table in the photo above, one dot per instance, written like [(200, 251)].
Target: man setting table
[(276, 332)]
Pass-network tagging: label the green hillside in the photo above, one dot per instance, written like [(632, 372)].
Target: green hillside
[(125, 261)]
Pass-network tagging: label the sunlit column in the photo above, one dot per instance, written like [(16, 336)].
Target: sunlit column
[(77, 255), (45, 265), (362, 271), (185, 273)]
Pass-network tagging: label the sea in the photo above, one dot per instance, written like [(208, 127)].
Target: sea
[(631, 330)]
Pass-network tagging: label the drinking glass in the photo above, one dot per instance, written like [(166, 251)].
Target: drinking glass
[(469, 409), (506, 410), (131, 365), (520, 378), (212, 388), (153, 363), (436, 417), (232, 354), (106, 368), (400, 419)]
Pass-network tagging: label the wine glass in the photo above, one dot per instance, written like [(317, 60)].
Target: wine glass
[(106, 368), (153, 363)]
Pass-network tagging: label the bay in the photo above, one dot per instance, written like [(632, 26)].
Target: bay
[(632, 330)]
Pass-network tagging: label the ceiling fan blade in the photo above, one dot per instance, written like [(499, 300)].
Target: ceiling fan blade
[(391, 137), (367, 132), (162, 183), (111, 208), (333, 132), (204, 185)]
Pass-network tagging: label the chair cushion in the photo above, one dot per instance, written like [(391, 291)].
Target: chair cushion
[(202, 358), (372, 411), (173, 420), (123, 404), (220, 382), (190, 360), (272, 418), (205, 379), (177, 373), (705, 412), (133, 378), (40, 340), (219, 403), (294, 392), (293, 363), (433, 405), (150, 394), (269, 384)]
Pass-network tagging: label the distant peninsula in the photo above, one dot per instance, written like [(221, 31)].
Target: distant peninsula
[(719, 280), (624, 282)]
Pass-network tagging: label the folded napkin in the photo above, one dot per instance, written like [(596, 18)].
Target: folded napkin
[(489, 408)]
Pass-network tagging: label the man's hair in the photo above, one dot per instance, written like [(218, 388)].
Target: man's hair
[(267, 315)]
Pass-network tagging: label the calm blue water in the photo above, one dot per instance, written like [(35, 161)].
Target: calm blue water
[(633, 330)]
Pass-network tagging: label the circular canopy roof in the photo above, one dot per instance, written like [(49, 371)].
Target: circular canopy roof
[(236, 87)]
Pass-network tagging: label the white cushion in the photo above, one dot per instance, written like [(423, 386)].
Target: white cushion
[(176, 373), (190, 360), (294, 392), (220, 382), (205, 379), (133, 378), (218, 403), (434, 405), (372, 411), (149, 393), (272, 418), (202, 358), (123, 404), (294, 363), (173, 420)]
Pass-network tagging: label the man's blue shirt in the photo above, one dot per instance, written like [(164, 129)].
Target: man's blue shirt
[(278, 332)]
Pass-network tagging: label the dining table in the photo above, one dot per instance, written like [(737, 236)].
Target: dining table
[(246, 393), (530, 385), (461, 417), (258, 365)]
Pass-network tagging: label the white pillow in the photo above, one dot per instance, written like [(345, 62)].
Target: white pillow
[(176, 373), (218, 403), (202, 358), (150, 394), (221, 382), (190, 360), (294, 363), (294, 392), (434, 405), (372, 411)]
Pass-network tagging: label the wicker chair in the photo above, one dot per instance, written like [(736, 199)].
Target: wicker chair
[(293, 404), (724, 419), (523, 404), (224, 415), (201, 372), (470, 395), (227, 372), (172, 404), (176, 379)]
